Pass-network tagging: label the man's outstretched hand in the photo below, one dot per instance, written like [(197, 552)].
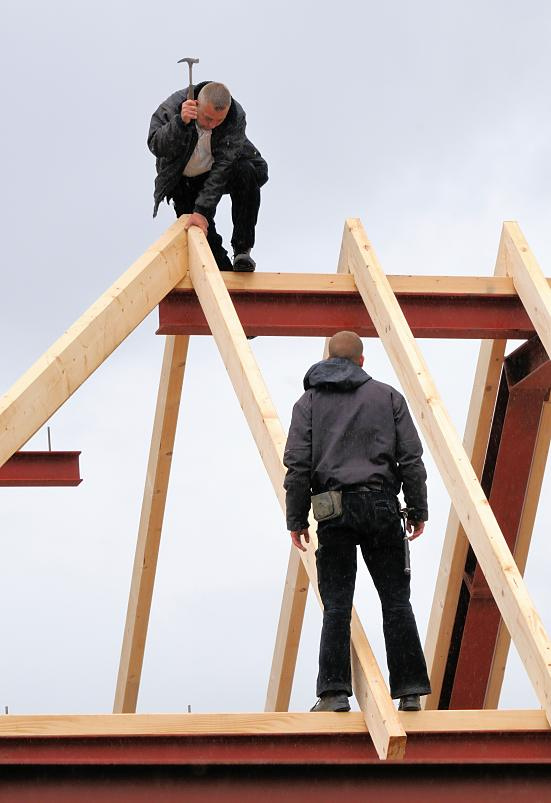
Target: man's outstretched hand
[(197, 219), (295, 537), (416, 528)]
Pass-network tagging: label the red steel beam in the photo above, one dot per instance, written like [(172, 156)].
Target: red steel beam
[(447, 748), (280, 768), (525, 384), (41, 469), (320, 314)]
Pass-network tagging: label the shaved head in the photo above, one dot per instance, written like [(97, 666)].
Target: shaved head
[(216, 94), (347, 345)]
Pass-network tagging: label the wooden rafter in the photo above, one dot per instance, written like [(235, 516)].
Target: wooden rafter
[(529, 281), (75, 356), (456, 544), (151, 522), (384, 726), (493, 555)]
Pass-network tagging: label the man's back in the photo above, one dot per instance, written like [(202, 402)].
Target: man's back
[(349, 429)]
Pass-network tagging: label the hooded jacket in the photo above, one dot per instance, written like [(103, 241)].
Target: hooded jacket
[(348, 429), (173, 143)]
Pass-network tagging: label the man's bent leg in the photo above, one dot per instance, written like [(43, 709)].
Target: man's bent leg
[(336, 566), (384, 557), (244, 191), (218, 251)]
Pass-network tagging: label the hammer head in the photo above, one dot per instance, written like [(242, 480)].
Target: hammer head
[(189, 62)]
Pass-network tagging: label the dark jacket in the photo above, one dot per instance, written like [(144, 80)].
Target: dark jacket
[(348, 429), (173, 143)]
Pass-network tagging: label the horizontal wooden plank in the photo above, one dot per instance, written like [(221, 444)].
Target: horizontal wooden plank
[(264, 723), (344, 283)]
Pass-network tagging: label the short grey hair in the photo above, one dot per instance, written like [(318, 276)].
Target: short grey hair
[(218, 95)]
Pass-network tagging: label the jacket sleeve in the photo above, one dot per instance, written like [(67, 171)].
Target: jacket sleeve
[(409, 452), (225, 155), (298, 461), (168, 135)]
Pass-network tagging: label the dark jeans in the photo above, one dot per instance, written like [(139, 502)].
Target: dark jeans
[(243, 187), (370, 519)]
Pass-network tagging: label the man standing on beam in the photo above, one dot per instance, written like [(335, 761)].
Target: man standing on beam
[(202, 153), (353, 444)]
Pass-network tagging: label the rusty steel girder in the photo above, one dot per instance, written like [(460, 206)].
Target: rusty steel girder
[(524, 387), (41, 469), (321, 314)]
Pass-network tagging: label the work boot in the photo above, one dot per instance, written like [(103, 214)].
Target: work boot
[(243, 262), (410, 702), (332, 701)]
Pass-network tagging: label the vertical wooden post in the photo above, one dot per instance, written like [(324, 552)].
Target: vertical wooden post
[(151, 522), (288, 635)]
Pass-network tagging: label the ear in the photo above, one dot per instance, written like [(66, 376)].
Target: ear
[(361, 362)]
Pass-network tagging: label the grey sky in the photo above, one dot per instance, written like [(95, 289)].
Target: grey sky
[(429, 120)]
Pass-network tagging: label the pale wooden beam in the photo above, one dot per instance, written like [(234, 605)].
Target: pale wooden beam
[(294, 591), (529, 281), (344, 283), (383, 722), (242, 724), (151, 523), (287, 641), (456, 544), (522, 546), (492, 552), (95, 335)]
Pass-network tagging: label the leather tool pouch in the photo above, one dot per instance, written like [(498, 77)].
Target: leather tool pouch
[(327, 505)]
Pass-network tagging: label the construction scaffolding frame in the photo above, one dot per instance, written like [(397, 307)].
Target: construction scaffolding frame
[(479, 583)]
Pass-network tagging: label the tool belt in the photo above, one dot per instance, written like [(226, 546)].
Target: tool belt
[(327, 505)]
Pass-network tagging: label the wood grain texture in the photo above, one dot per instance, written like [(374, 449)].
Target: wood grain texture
[(263, 723)]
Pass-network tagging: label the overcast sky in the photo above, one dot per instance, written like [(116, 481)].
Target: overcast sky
[(430, 121)]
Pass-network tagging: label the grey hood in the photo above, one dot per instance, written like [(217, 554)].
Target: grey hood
[(336, 373)]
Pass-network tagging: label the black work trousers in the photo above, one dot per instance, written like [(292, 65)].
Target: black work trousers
[(372, 520), (243, 187)]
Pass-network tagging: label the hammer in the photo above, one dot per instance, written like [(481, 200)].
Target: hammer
[(190, 88), (407, 565)]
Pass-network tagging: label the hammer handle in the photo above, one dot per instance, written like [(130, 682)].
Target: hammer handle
[(190, 95)]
